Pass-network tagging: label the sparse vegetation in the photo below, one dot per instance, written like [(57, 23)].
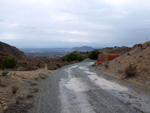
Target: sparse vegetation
[(20, 69), (106, 66), (14, 89), (100, 63), (29, 95), (37, 78), (128, 54), (36, 90), (43, 76), (130, 71), (73, 56), (94, 54), (38, 65), (140, 45), (93, 65), (9, 63), (4, 73), (33, 84)]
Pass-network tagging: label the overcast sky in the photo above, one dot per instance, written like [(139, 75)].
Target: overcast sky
[(69, 23)]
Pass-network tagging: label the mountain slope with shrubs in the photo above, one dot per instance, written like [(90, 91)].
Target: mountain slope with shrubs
[(12, 51), (12, 58), (134, 65)]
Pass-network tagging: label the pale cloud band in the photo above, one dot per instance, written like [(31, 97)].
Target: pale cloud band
[(67, 23)]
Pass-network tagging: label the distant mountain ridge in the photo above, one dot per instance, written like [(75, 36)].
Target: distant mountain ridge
[(83, 48), (12, 51)]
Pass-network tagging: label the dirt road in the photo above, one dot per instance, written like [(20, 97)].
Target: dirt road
[(76, 89)]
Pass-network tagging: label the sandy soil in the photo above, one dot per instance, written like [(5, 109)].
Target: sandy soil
[(17, 87)]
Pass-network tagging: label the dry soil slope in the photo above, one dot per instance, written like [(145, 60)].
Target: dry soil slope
[(138, 56)]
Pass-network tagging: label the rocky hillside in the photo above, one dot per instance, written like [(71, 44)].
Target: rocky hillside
[(136, 60), (82, 49), (116, 50), (13, 51), (23, 62)]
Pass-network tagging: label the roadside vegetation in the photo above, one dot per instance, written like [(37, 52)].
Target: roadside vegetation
[(130, 71), (9, 63), (94, 54), (73, 56)]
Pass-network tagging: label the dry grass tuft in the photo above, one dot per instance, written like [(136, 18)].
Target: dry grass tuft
[(130, 71)]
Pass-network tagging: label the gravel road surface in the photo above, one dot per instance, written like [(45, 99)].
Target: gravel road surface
[(76, 89)]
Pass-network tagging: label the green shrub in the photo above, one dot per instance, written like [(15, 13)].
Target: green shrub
[(33, 84), (94, 54), (9, 63), (73, 56)]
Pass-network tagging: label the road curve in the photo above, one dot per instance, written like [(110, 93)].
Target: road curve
[(76, 89)]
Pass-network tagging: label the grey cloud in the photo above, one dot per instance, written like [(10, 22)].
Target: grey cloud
[(41, 23)]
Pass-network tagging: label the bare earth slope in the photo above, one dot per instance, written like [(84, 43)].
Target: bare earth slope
[(18, 87), (139, 56)]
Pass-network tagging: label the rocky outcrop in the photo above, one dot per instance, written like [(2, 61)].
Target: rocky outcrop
[(116, 50), (12, 51)]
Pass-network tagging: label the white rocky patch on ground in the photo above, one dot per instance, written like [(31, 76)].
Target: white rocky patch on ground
[(83, 68), (73, 99), (90, 63), (103, 83), (121, 92), (77, 84)]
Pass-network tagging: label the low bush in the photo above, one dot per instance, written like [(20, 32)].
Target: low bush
[(43, 76), (14, 89), (94, 54), (93, 65), (128, 54), (73, 56), (33, 84), (29, 96), (9, 63), (106, 66), (130, 71)]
